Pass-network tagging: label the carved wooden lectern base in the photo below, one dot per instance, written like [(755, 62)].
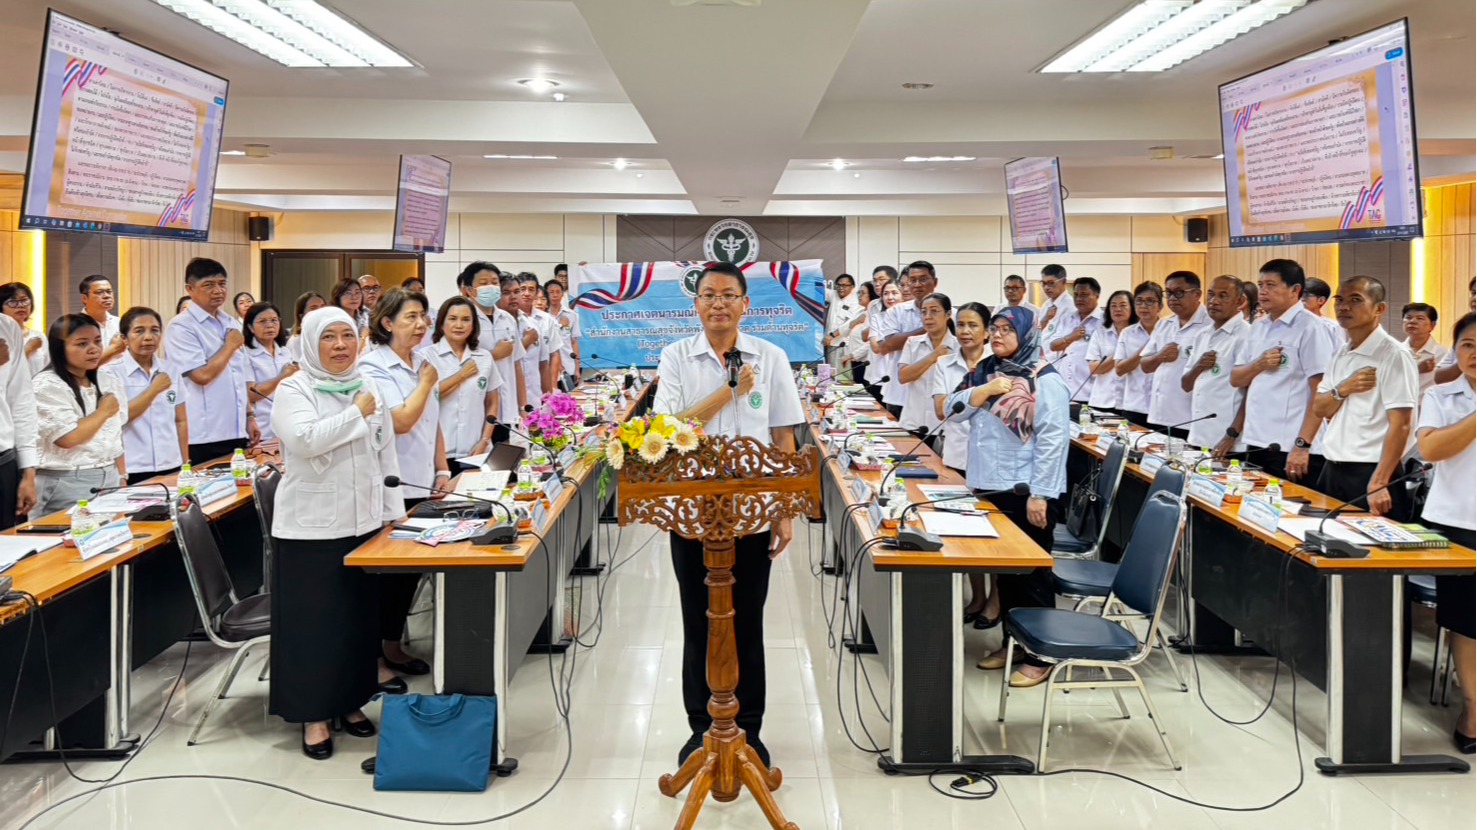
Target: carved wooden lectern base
[(720, 491)]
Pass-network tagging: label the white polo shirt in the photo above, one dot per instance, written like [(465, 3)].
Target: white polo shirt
[(1356, 432), (501, 326), (464, 413), (1106, 389), (150, 441), (1336, 334), (690, 370), (1431, 349), (1213, 392), (216, 411), (1137, 386), (947, 374), (918, 396), (265, 366), (1031, 307), (839, 312), (1064, 305), (111, 325), (416, 449), (1072, 363), (900, 319), (1169, 404), (1277, 399), (533, 356), (41, 358), (1450, 501), (569, 328)]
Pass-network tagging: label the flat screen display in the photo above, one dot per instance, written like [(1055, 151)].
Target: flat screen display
[(1033, 193), (420, 204), (124, 140), (1322, 148)]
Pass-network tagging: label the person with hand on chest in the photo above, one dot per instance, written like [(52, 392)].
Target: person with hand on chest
[(891, 334), (1207, 373), (1167, 351), (840, 311), (205, 344), (1074, 332), (1419, 320), (1059, 303), (156, 439), (98, 301), (765, 406)]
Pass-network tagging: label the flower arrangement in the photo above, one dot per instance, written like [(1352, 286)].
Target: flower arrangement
[(552, 423), (647, 439)]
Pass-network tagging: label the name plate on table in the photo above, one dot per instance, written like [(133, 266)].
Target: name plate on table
[(566, 456), (1151, 464), (1074, 430), (844, 459), (1260, 513), (859, 490), (1207, 490), (553, 488), (107, 537), (1105, 440), (539, 517), (874, 514)]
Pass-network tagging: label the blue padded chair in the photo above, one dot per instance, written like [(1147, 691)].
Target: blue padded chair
[(1069, 639), (1109, 473), (1421, 588), (1090, 581)]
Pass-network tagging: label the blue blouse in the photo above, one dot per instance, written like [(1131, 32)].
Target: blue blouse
[(998, 460)]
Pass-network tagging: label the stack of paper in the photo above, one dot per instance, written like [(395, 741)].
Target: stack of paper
[(15, 548), (957, 524)]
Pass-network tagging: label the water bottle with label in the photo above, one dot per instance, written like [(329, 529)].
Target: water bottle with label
[(1233, 476), (1123, 431), (1084, 418), (240, 469), (1204, 467), (186, 482), (525, 476), (82, 521), (1274, 493)]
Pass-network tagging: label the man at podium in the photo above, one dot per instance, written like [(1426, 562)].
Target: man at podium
[(736, 385)]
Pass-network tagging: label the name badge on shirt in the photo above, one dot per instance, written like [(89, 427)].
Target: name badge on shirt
[(1257, 511), (1208, 490)]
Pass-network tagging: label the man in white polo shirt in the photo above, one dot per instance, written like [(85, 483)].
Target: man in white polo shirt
[(899, 323), (1279, 364), (1075, 330), (1168, 349), (1059, 303), (1207, 372), (1015, 294), (1419, 320), (98, 302), (765, 406), (204, 343), (841, 309), (1367, 395)]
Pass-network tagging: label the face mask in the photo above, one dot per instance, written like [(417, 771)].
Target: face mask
[(489, 295)]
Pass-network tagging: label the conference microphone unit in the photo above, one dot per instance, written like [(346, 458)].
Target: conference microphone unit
[(501, 431), (1242, 456), (910, 538), (629, 382), (151, 513), (957, 408), (1136, 455), (735, 361), (495, 533), (1326, 545)]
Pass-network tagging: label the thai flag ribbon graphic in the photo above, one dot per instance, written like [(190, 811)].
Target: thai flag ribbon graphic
[(635, 279)]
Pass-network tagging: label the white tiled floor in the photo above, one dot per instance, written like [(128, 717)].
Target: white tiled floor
[(628, 725)]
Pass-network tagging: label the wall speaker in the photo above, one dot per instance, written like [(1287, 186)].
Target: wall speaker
[(259, 228), (1197, 229)]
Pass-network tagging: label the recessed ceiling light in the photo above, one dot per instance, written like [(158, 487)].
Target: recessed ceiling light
[(297, 33), (521, 157), (838, 164), (620, 164), (917, 86), (559, 96), (640, 175), (921, 159), (233, 152), (539, 85), (856, 175), (1155, 35)]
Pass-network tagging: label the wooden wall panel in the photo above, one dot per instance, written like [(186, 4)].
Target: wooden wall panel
[(1320, 261), (1155, 267), (1443, 264), (151, 272)]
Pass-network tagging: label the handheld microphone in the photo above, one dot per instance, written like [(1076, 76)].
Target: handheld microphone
[(1135, 455), (911, 538), (957, 408), (1334, 548), (495, 533), (735, 361), (149, 513)]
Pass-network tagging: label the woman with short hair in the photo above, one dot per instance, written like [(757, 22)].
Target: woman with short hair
[(270, 362)]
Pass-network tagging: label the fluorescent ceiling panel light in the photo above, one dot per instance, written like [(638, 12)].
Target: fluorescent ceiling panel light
[(539, 85), (620, 164), (921, 159), (233, 152), (838, 164), (521, 157), (1158, 34), (295, 33)]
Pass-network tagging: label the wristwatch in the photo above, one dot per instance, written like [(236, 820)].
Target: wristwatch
[(1233, 433), (1337, 395), (1301, 443)]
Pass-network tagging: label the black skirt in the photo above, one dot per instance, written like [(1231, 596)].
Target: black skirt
[(1456, 596), (325, 640)]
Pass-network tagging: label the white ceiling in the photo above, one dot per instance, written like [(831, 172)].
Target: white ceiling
[(712, 103)]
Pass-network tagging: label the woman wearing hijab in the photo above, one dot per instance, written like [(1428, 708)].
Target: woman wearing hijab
[(1018, 408), (337, 447)]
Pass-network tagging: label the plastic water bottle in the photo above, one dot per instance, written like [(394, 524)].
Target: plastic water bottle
[(1233, 476), (1084, 418), (82, 521), (186, 483), (240, 469), (1124, 434), (525, 475), (1204, 467), (1274, 493)]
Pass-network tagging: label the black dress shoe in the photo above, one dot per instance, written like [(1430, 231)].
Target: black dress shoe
[(693, 744), (360, 728), (1466, 745), (984, 623), (971, 616), (394, 686), (321, 751), (413, 666)]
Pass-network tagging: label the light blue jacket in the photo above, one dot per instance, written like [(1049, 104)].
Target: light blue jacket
[(998, 459)]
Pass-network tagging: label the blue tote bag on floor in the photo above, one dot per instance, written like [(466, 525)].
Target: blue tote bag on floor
[(435, 743)]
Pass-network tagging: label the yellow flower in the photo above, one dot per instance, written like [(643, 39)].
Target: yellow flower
[(664, 425), (615, 453), (653, 448), (631, 433), (684, 440)]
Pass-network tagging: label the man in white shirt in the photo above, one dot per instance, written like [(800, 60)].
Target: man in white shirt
[(98, 303), (1207, 371), (891, 334), (370, 285), (1015, 294), (881, 276), (550, 336), (1058, 302), (497, 331), (1446, 368), (765, 406), (1076, 330), (1167, 351), (18, 428), (542, 355), (1315, 296), (1367, 395), (1280, 363), (840, 311), (1419, 320), (204, 344)]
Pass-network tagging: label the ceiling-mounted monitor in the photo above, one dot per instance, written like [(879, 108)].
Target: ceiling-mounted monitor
[(1033, 194), (420, 204), (1322, 148), (124, 140)]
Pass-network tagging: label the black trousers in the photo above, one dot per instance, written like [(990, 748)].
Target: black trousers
[(1034, 589), (1348, 480), (1274, 463), (201, 453), (896, 410), (751, 567), (1138, 419), (10, 479), (135, 478), (1456, 596)]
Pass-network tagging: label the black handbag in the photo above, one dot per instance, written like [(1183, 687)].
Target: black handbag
[(1084, 512)]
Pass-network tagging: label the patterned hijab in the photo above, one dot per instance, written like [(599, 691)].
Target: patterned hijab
[(1016, 408)]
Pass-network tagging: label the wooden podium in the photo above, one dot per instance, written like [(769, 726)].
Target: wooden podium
[(724, 489)]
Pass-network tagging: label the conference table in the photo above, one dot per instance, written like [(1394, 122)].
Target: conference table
[(912, 602), (103, 617), (494, 603), (1339, 622)]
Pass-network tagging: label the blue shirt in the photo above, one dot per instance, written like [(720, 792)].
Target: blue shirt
[(217, 410), (998, 460)]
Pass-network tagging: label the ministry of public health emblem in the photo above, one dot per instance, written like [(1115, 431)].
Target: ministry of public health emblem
[(732, 241), (481, 383), (169, 396), (689, 280)]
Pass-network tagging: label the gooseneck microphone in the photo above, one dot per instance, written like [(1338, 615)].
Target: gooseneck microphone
[(957, 408), (1135, 455), (1335, 548), (150, 513), (495, 533), (920, 539)]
